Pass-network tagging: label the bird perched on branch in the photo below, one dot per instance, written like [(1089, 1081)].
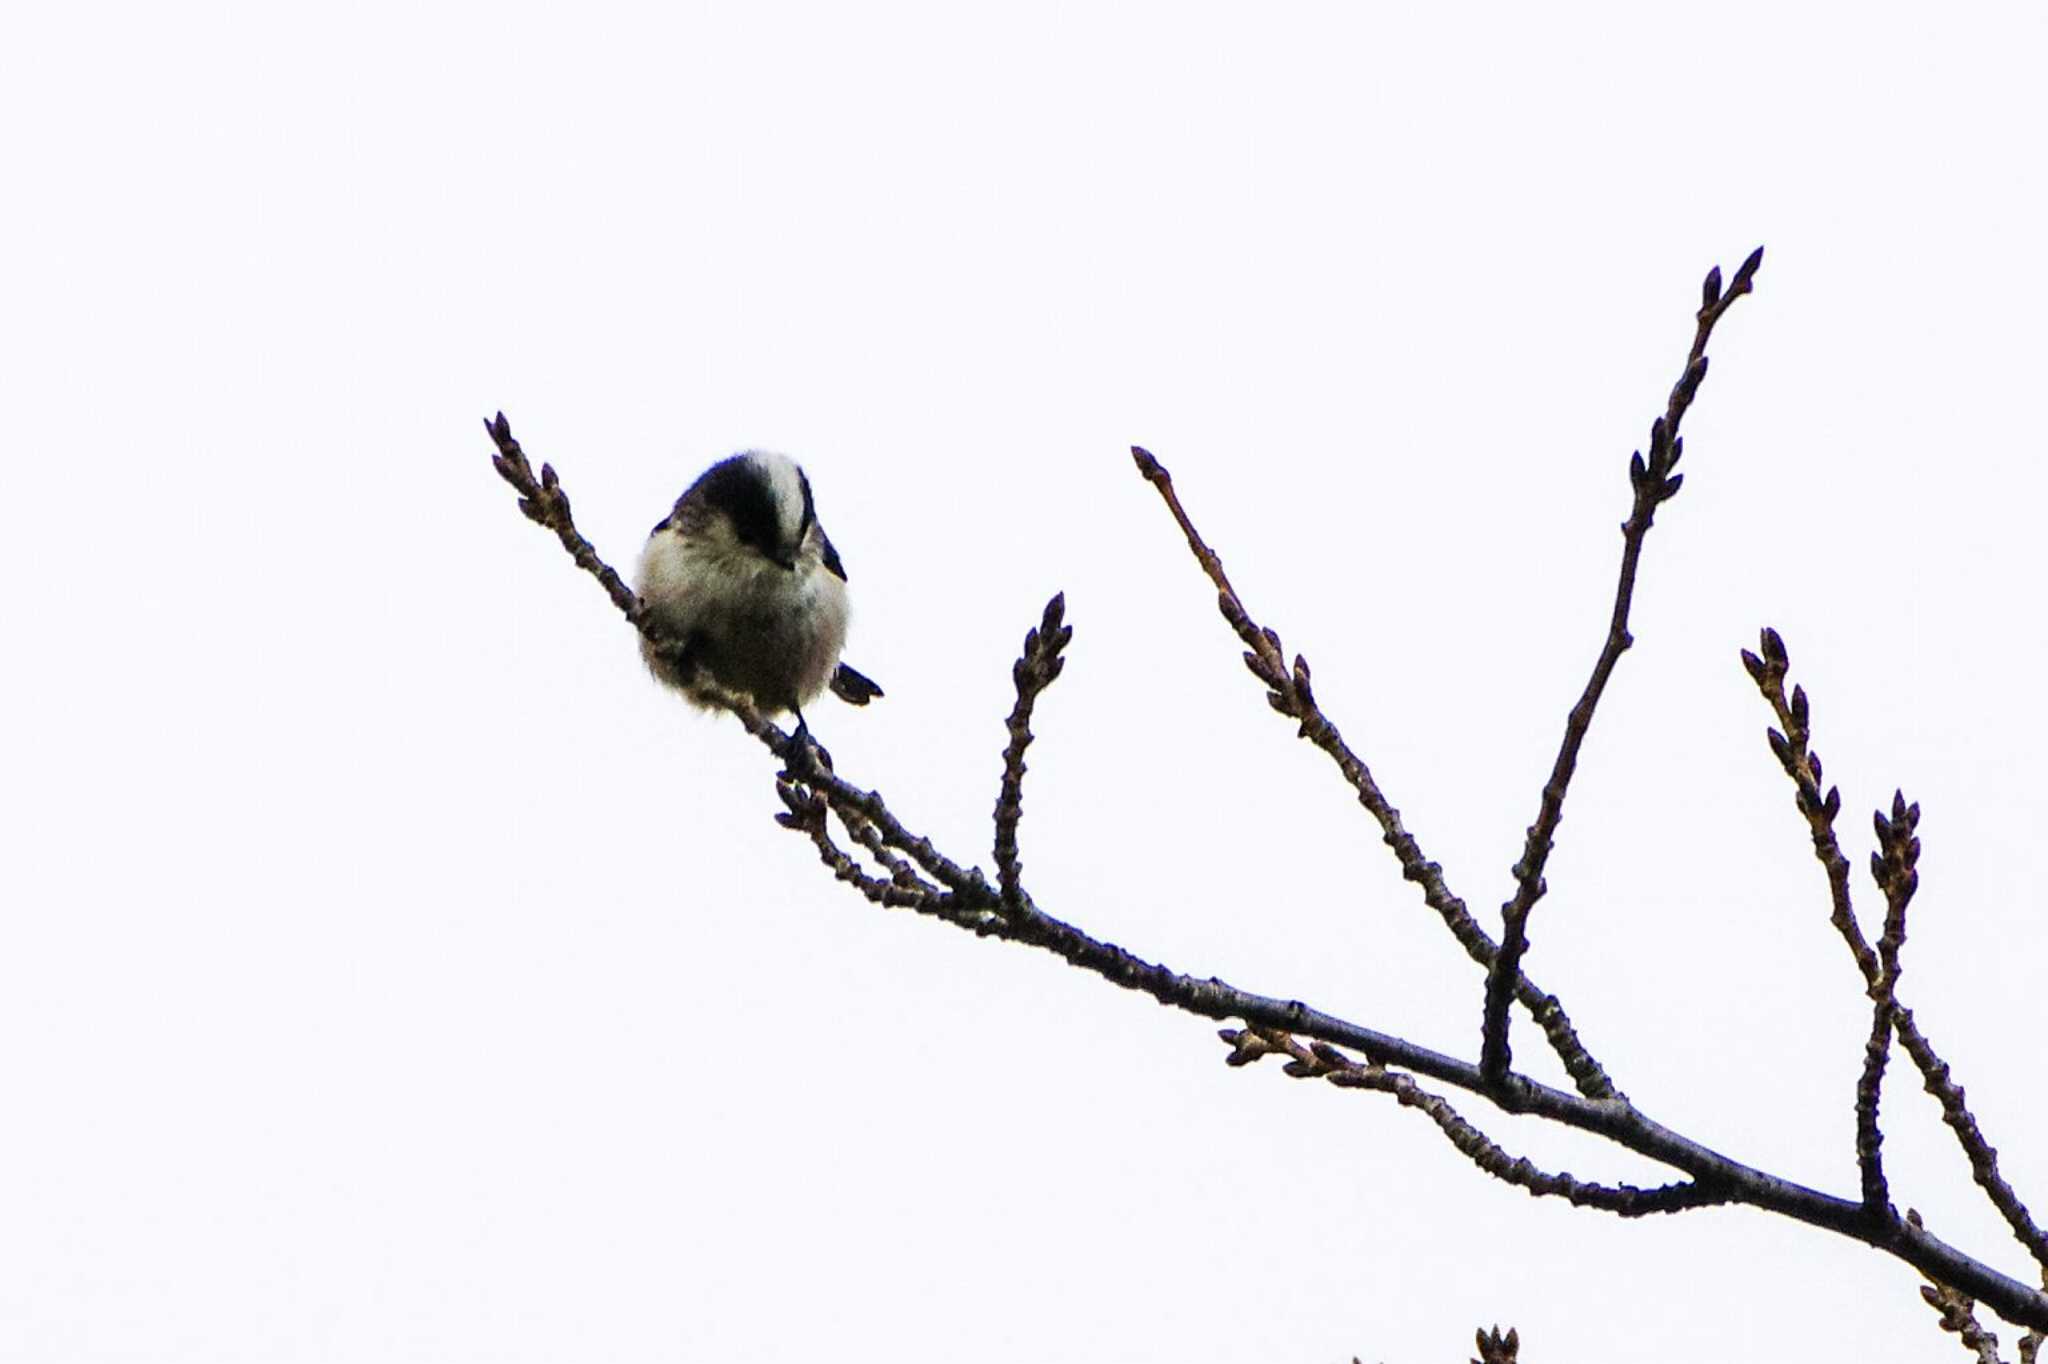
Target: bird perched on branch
[(741, 575)]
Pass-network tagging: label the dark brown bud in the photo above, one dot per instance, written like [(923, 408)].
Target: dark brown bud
[(1746, 272)]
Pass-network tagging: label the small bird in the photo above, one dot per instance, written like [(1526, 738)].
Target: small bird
[(742, 574)]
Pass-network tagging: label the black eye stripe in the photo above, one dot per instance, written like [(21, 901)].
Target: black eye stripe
[(810, 508)]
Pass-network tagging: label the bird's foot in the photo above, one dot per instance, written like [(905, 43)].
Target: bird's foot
[(808, 748)]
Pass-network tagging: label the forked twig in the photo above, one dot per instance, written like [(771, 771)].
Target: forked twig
[(1290, 692), (1791, 746)]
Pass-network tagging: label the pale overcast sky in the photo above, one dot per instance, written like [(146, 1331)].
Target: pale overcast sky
[(390, 971)]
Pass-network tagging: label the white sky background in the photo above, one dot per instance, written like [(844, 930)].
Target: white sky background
[(391, 971)]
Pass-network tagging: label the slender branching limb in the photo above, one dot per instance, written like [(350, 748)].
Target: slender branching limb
[(1495, 1348), (1655, 483), (977, 906), (1032, 674), (1893, 867), (1320, 1061), (1791, 747), (1290, 692), (964, 897)]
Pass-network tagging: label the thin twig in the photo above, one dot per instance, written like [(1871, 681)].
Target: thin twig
[(1893, 867), (1794, 753), (1981, 1154), (1039, 665), (545, 504), (1291, 694), (1802, 764), (1654, 484), (1320, 1061)]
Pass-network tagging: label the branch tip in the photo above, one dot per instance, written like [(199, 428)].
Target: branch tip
[(1745, 273), (1653, 482)]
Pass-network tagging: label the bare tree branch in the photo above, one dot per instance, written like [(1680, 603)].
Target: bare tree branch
[(914, 874), (1982, 1155), (1654, 484), (1791, 747), (1290, 693)]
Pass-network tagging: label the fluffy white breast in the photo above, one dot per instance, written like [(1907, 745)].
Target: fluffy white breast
[(686, 578)]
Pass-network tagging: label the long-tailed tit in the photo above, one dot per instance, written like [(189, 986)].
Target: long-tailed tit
[(741, 574)]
